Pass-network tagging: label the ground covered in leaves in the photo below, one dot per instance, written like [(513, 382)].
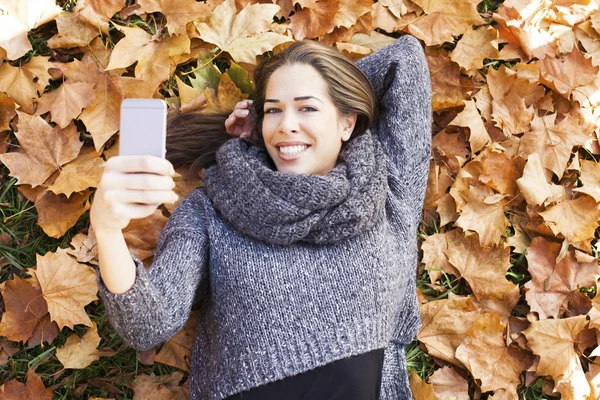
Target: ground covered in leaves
[(509, 241)]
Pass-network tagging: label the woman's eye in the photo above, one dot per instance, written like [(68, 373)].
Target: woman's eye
[(269, 110), (309, 108)]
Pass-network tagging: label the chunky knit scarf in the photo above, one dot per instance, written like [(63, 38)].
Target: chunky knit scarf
[(281, 208)]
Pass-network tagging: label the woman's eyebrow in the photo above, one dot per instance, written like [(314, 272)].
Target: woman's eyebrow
[(295, 99)]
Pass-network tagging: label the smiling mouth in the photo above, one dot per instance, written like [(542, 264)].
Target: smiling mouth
[(292, 155)]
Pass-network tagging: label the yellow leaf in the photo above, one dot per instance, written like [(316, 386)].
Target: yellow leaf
[(79, 353), (244, 35), (474, 46), (66, 102), (83, 172)]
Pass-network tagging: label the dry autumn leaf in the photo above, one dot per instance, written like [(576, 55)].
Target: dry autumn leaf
[(67, 287), (34, 389), (177, 351), (178, 12), (66, 102), (79, 352), (244, 35), (163, 387), (83, 172)]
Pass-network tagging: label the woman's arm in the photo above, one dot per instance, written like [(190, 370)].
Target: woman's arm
[(160, 300)]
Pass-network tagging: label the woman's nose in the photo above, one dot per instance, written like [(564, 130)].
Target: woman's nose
[(289, 122)]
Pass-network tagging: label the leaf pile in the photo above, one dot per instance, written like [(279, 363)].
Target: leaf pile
[(509, 238)]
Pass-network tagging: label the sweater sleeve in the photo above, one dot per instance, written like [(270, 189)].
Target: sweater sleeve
[(160, 300), (402, 83)]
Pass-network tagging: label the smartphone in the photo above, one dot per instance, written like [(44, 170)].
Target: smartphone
[(143, 129)]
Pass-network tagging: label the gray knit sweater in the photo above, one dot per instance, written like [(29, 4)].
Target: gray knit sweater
[(273, 311)]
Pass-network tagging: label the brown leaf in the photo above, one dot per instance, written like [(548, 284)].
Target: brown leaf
[(66, 102), (444, 326), (483, 268), (434, 249), (33, 390), (73, 31), (67, 287), (84, 247), (79, 353), (163, 387), (314, 21), (56, 213), (554, 284), (486, 217), (83, 172), (44, 150), (590, 177), (17, 83), (443, 20), (534, 185), (511, 114), (99, 12), (469, 117), (153, 56), (177, 351), (24, 309), (6, 350), (554, 341), (568, 74), (485, 353), (7, 111), (576, 219), (448, 384), (349, 11), (553, 142), (420, 389), (141, 235), (475, 46), (499, 171), (178, 12), (445, 82), (45, 331), (244, 35)]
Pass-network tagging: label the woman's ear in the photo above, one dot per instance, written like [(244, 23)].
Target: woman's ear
[(348, 122)]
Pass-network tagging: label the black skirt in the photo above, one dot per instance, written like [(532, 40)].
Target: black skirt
[(353, 378)]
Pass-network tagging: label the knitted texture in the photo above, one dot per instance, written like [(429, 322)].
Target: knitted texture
[(269, 311), (284, 208)]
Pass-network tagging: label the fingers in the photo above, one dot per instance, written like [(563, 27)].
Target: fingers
[(147, 164), (139, 197)]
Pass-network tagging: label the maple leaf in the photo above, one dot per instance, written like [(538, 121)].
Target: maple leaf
[(43, 150), (205, 75), (98, 12), (554, 341), (7, 111), (244, 35), (590, 177), (534, 185), (484, 268), (469, 117), (76, 176), (228, 95), (18, 18), (553, 142), (6, 350), (34, 389), (162, 387), (314, 20), (178, 12), (566, 75), (154, 56), (511, 113), (475, 46), (445, 82), (485, 353), (576, 219), (141, 235), (84, 247), (24, 309), (56, 213), (18, 84), (73, 31), (448, 384), (442, 20), (80, 352), (499, 171), (177, 351), (434, 255), (420, 389), (67, 287), (554, 283), (486, 217), (66, 102), (445, 324), (349, 11)]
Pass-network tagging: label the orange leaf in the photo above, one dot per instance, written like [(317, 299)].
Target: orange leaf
[(17, 83), (475, 46), (566, 75), (178, 12), (141, 235), (24, 309), (421, 390), (43, 150), (83, 172), (99, 12), (534, 185), (576, 220), (448, 384), (66, 102)]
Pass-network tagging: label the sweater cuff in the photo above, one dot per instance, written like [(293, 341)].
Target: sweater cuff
[(394, 378)]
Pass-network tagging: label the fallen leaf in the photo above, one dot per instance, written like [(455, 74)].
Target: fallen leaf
[(420, 389), (178, 12), (177, 351), (470, 118), (67, 287), (73, 31), (566, 75), (80, 352), (24, 309), (98, 12), (163, 387), (576, 220), (76, 176), (535, 187), (66, 102), (18, 84), (448, 384), (141, 235), (590, 177), (314, 20), (474, 46), (33, 390)]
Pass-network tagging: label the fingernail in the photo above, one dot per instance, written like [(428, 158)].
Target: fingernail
[(244, 112), (171, 171), (249, 101)]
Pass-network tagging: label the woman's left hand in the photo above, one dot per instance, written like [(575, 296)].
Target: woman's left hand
[(242, 119)]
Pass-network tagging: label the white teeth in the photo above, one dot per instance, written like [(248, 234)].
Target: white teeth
[(292, 150)]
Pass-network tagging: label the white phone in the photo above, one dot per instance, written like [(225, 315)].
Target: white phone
[(143, 129)]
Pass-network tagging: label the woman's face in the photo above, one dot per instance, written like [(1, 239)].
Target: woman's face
[(301, 128)]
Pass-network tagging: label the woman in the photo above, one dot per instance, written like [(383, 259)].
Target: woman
[(301, 246)]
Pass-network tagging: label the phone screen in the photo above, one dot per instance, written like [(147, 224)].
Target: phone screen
[(143, 127)]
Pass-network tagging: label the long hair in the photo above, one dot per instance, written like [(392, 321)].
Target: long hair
[(194, 138)]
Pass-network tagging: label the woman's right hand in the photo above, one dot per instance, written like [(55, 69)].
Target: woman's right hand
[(131, 187), (241, 120)]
